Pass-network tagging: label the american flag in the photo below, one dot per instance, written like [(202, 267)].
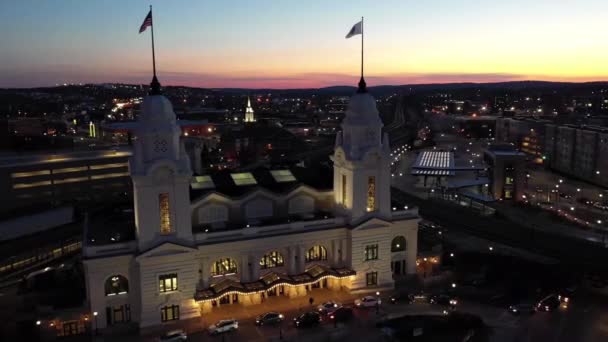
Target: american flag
[(147, 22)]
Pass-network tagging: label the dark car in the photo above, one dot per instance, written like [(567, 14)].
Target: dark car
[(269, 318), (549, 303), (343, 314), (402, 298), (307, 319), (443, 299), (522, 308)]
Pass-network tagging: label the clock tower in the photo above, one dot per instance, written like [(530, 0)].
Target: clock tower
[(362, 161)]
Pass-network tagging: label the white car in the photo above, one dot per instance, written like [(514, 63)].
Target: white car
[(328, 307), (174, 336), (223, 326), (368, 301)]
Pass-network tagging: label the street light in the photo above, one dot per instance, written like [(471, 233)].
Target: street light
[(38, 322), (95, 315)]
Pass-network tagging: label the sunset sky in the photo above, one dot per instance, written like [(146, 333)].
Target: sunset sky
[(294, 44)]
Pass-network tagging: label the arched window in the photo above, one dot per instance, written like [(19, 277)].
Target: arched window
[(223, 267), (116, 284), (399, 244), (272, 259), (316, 253)]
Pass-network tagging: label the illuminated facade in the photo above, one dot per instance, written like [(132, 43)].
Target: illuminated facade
[(198, 245), (249, 116)]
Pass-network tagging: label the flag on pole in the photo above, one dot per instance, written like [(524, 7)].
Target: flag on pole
[(147, 22), (357, 29)]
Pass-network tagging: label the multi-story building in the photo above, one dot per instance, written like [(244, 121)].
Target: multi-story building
[(201, 242), (579, 151), (527, 134), (506, 172), (26, 180)]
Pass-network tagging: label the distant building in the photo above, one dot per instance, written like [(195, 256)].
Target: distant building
[(249, 116), (62, 177), (506, 172), (578, 151), (526, 134)]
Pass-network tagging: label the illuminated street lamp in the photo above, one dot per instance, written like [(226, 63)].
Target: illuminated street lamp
[(95, 315)]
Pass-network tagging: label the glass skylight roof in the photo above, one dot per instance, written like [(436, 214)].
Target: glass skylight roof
[(202, 182), (245, 178), (282, 176)]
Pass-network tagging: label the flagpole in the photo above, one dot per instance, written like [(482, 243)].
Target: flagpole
[(153, 56), (362, 85), (155, 85)]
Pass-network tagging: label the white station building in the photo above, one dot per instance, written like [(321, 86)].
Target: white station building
[(198, 245)]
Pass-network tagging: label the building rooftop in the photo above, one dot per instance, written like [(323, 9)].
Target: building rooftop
[(434, 163)]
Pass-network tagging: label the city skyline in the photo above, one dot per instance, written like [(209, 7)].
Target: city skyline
[(296, 45)]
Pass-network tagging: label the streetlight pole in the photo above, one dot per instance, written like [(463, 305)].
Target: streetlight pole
[(95, 315)]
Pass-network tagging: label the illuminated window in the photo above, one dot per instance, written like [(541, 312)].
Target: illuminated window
[(371, 278), (70, 169), (169, 313), (110, 175), (167, 282), (107, 166), (282, 176), (165, 213), (30, 174), (116, 284), (30, 185), (202, 182), (224, 267), (272, 259), (508, 180), (70, 180), (399, 244), (316, 253), (508, 194), (371, 252), (371, 193), (245, 178), (344, 189)]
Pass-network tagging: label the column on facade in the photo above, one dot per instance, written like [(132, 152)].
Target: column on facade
[(205, 272), (335, 248), (291, 260), (301, 264), (342, 255), (244, 269), (410, 260), (255, 267)]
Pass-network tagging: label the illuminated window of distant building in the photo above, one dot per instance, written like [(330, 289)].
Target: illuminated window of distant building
[(30, 174), (272, 259), (508, 194), (167, 282), (371, 252), (316, 253), (371, 193), (371, 278), (224, 267), (509, 180), (344, 189), (116, 284), (169, 313), (165, 213)]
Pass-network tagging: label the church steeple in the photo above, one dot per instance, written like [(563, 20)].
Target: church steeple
[(249, 116)]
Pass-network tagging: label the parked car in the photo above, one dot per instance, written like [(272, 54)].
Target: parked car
[(402, 298), (368, 301), (223, 326), (307, 319), (328, 307), (522, 308), (269, 318), (174, 336), (548, 303), (341, 314)]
